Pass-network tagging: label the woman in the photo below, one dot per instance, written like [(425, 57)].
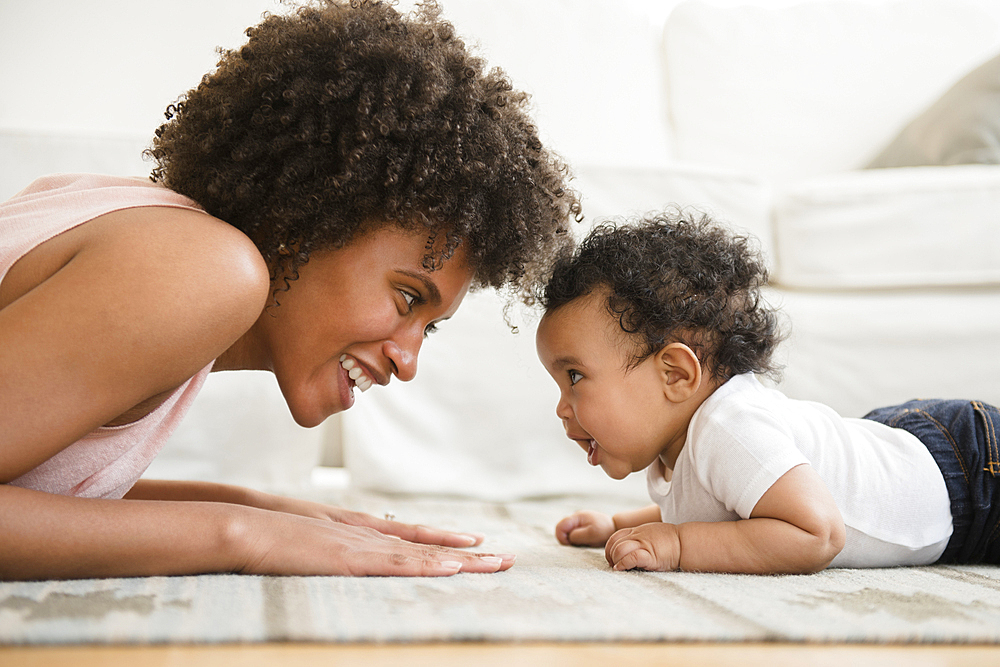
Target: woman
[(320, 202)]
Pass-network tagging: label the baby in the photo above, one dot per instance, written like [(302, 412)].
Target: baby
[(655, 332)]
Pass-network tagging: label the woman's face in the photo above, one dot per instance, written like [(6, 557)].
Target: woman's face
[(355, 317)]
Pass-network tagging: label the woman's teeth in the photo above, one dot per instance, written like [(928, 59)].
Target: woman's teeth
[(361, 381)]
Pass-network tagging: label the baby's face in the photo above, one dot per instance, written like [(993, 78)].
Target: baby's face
[(620, 417)]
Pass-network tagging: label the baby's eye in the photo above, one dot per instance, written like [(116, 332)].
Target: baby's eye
[(574, 377), (429, 329)]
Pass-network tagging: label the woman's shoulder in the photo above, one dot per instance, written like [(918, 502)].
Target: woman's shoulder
[(167, 249), (184, 251), (115, 311)]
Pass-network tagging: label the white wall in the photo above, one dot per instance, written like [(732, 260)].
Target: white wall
[(109, 67)]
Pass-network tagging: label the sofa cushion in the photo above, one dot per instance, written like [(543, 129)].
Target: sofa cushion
[(856, 351), (962, 127), (909, 227), (815, 87)]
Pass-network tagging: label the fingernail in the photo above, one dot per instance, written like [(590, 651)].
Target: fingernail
[(451, 565), (507, 556), (492, 560), (469, 539)]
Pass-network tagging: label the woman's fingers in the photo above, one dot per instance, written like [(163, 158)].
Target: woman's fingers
[(427, 535), (441, 563), (409, 532)]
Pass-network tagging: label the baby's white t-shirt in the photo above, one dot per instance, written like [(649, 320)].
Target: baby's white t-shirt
[(745, 436)]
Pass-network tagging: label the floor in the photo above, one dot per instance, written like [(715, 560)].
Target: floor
[(522, 655)]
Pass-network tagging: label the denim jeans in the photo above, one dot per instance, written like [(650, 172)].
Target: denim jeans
[(962, 438)]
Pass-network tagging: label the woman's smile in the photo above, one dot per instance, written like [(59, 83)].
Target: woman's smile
[(354, 317)]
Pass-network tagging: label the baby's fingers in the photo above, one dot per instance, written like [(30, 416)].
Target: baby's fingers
[(624, 553), (565, 527), (585, 528), (637, 559)]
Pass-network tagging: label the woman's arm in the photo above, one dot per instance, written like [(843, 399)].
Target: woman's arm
[(48, 536), (794, 528), (148, 489)]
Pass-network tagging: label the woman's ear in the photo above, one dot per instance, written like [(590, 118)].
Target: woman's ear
[(680, 371)]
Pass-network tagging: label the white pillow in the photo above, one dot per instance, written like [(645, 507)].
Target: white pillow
[(812, 88)]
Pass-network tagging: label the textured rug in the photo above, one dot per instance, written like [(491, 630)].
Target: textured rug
[(554, 593)]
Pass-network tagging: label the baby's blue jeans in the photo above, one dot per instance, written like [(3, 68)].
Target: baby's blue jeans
[(962, 437)]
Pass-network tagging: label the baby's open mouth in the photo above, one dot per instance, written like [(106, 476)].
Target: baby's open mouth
[(361, 381), (592, 453)]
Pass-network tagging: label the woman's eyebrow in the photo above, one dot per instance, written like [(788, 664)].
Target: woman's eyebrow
[(433, 293)]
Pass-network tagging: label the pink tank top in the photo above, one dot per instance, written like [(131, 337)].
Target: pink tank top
[(107, 462)]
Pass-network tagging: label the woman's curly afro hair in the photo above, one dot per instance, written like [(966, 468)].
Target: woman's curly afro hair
[(335, 118), (676, 276)]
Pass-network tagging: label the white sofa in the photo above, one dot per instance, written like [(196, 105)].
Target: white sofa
[(763, 112)]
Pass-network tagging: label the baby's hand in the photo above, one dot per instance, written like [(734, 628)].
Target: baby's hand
[(651, 546), (585, 528)]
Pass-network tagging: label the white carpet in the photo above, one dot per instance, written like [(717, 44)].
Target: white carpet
[(554, 593)]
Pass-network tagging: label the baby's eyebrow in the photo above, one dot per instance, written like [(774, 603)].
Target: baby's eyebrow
[(563, 362)]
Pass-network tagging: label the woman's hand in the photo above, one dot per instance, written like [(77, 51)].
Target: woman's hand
[(585, 528), (387, 526), (286, 543), (271, 534)]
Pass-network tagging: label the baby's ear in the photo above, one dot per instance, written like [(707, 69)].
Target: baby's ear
[(680, 371)]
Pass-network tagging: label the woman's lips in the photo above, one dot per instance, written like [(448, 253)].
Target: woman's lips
[(345, 388)]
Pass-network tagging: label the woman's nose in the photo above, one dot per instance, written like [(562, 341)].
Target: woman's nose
[(402, 351)]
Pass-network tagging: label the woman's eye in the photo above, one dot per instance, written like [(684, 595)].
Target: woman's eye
[(410, 299), (574, 377)]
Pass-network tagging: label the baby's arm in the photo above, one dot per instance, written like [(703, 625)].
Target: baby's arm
[(794, 528), (592, 529)]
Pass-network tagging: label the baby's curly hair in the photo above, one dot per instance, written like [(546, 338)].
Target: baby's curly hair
[(676, 276), (337, 118)]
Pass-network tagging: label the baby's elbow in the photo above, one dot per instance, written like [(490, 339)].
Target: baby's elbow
[(824, 545)]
